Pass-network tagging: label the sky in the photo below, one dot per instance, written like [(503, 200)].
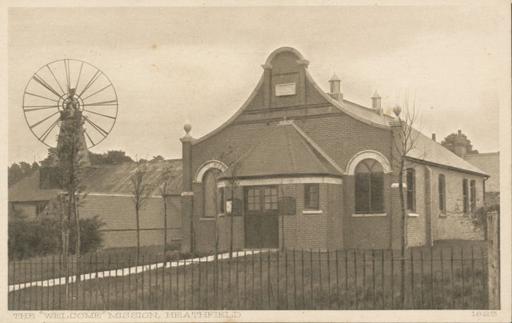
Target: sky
[(198, 65)]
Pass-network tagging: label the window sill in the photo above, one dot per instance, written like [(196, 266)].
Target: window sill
[(414, 215), (442, 215), (367, 215), (312, 212), (207, 218)]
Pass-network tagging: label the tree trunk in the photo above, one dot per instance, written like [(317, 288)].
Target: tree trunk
[(403, 232), (137, 223), (216, 263), (165, 226), (231, 220), (77, 224)]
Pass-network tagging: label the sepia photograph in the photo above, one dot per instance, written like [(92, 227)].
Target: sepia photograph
[(177, 161)]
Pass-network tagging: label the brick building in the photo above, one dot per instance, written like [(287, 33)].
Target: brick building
[(489, 163), (109, 196), (301, 168)]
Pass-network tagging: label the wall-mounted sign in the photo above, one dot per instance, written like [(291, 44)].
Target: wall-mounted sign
[(285, 89), (229, 206)]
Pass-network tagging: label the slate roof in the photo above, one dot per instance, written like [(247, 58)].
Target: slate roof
[(433, 152), (27, 189), (282, 150), (106, 179)]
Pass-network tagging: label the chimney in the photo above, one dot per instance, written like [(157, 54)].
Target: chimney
[(335, 88), (433, 136), (460, 148), (376, 103)]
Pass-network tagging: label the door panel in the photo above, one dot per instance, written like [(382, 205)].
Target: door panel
[(261, 217)]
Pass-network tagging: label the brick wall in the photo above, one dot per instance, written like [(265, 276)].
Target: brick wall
[(342, 136), (416, 220), (308, 231), (367, 231), (118, 213), (489, 163), (453, 224)]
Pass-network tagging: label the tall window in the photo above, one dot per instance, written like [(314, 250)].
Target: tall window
[(222, 200), (472, 188), (369, 187), (253, 199), (210, 193), (465, 197), (311, 196), (270, 198), (411, 189), (442, 192)]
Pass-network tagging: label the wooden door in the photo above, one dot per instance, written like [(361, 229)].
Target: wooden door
[(261, 217)]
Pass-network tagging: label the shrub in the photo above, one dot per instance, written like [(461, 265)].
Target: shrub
[(30, 238)]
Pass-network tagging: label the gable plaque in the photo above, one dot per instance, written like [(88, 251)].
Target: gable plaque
[(285, 89)]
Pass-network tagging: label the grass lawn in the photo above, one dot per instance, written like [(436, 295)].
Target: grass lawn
[(347, 279)]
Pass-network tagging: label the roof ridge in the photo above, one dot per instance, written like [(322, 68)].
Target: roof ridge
[(290, 151), (469, 165), (309, 148), (316, 147)]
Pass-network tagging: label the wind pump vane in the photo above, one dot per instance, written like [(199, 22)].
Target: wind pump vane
[(67, 94)]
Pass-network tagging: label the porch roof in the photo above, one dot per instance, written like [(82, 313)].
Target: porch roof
[(283, 150)]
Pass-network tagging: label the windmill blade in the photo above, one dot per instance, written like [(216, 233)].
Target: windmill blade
[(109, 102), (100, 90), (55, 78), (91, 82), (41, 96), (43, 120), (66, 68), (79, 74), (89, 137), (29, 108), (47, 86), (95, 126), (47, 131), (100, 114)]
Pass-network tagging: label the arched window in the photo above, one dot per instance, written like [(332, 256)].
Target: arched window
[(210, 192), (369, 187)]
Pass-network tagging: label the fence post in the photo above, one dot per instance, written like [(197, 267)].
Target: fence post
[(364, 300), (320, 285), (311, 278), (412, 278), (452, 278), (493, 264), (294, 282), (356, 287), (392, 278), (286, 277), (278, 256), (421, 279), (302, 278), (432, 277), (373, 279)]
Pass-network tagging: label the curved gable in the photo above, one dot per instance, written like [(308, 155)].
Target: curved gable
[(286, 89)]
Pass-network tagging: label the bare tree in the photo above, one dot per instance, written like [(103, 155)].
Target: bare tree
[(404, 141), (167, 178), (141, 191)]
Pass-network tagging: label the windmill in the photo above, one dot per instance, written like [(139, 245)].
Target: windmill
[(71, 106), (70, 90)]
